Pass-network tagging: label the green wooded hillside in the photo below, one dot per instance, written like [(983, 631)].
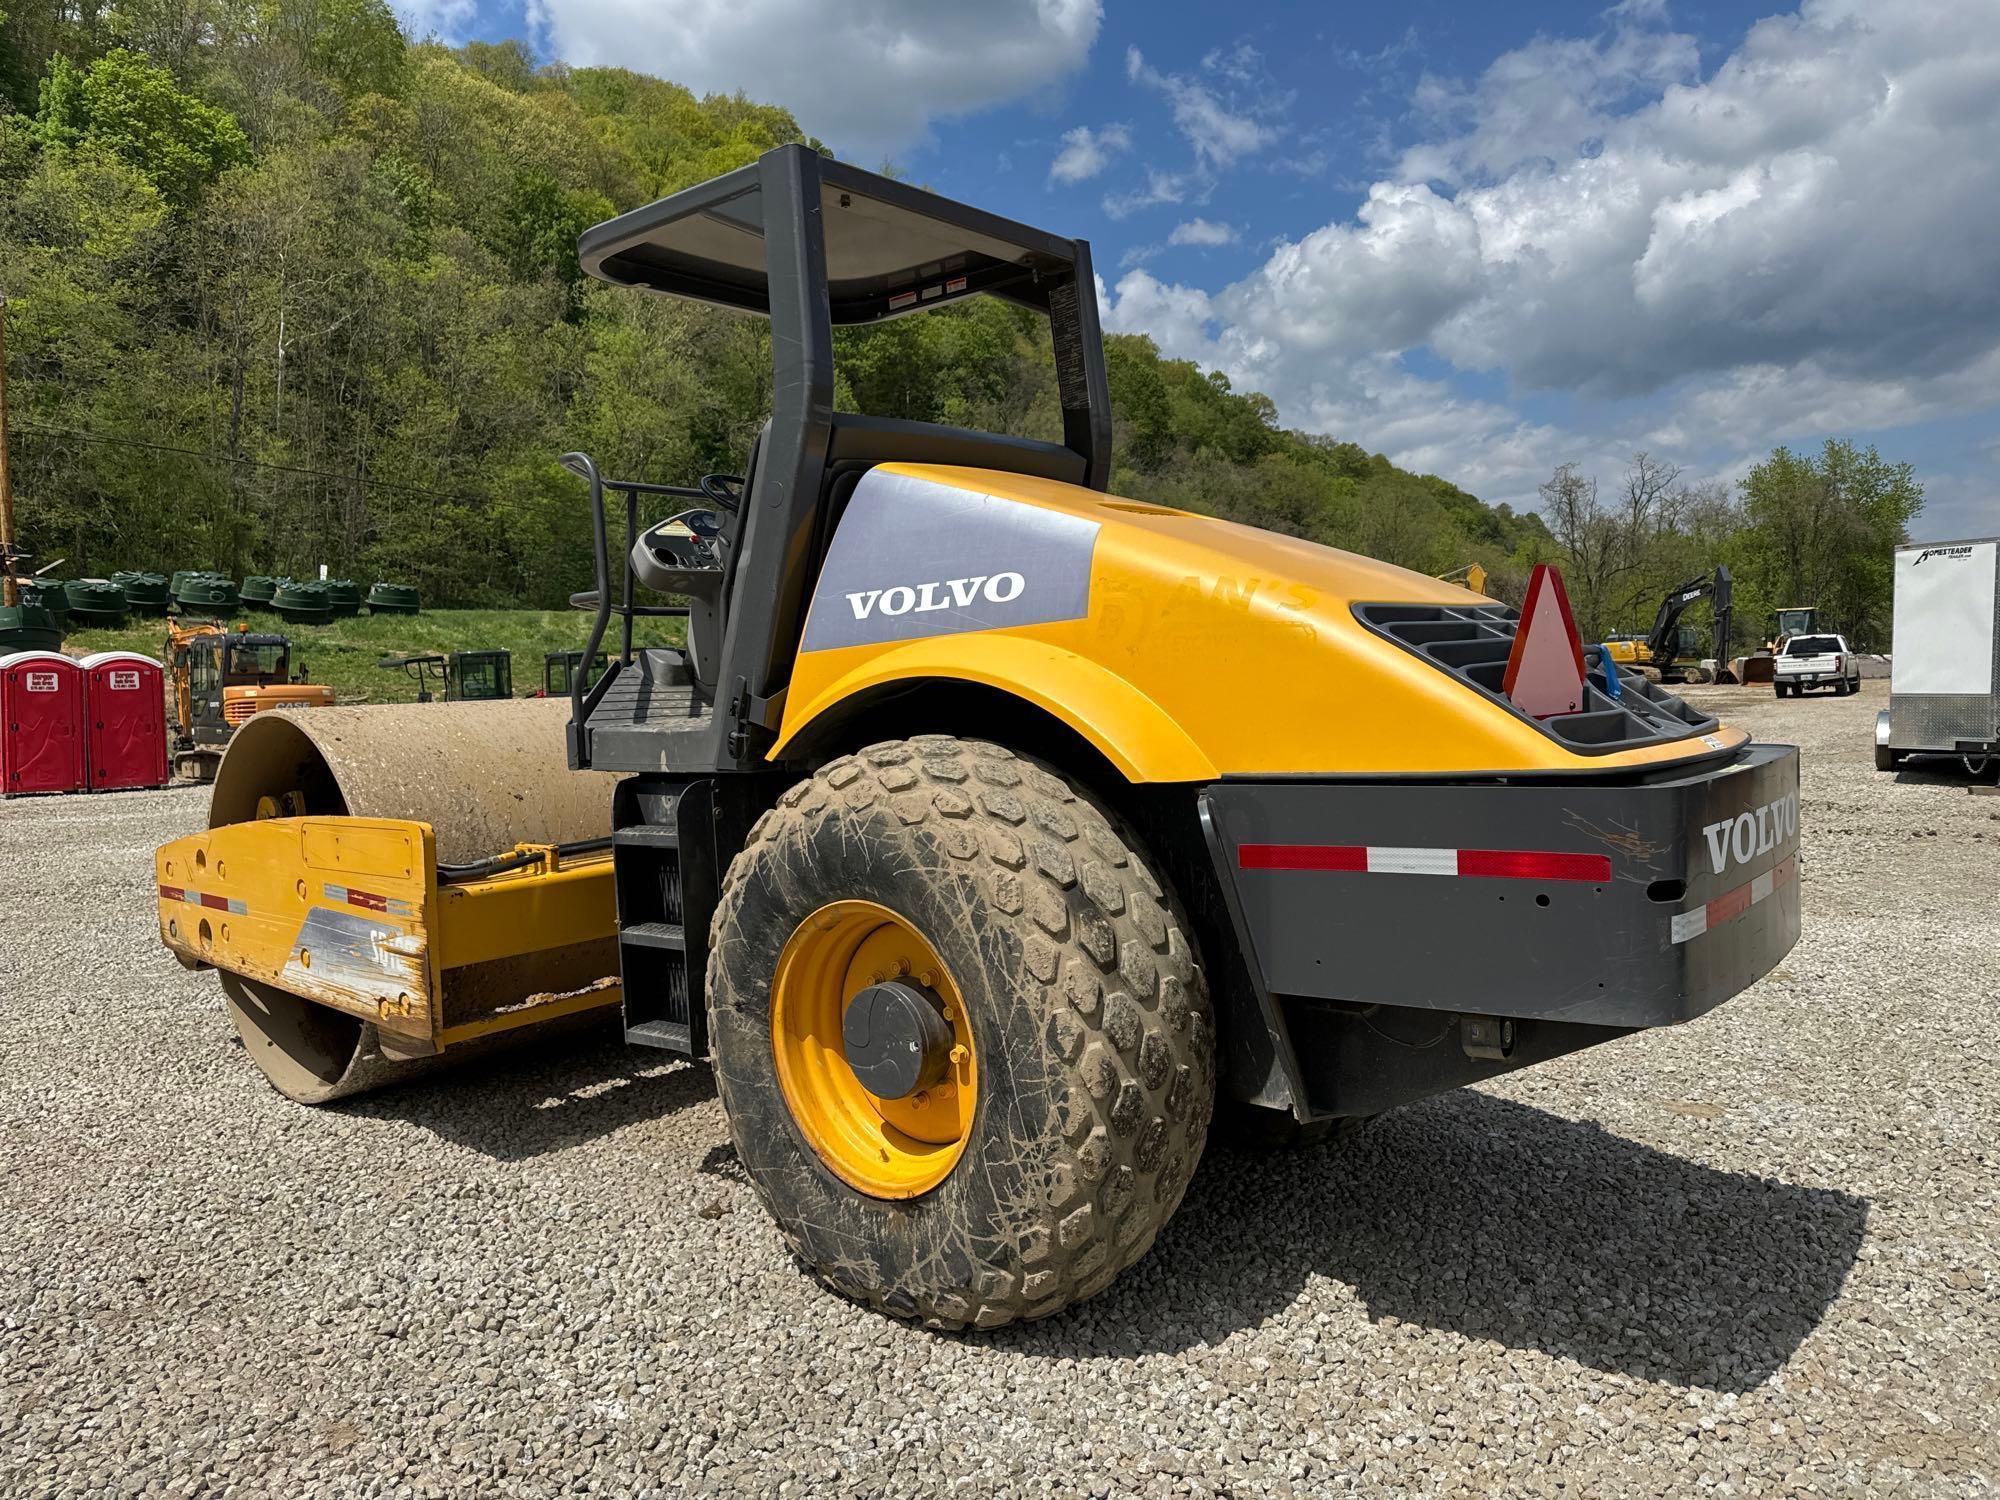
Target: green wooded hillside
[(287, 289), (346, 655)]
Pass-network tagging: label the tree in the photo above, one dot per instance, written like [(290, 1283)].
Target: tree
[(1618, 559), (125, 106), (355, 45), (1588, 540), (541, 226), (170, 33), (1823, 531), (509, 64), (288, 289), (33, 32)]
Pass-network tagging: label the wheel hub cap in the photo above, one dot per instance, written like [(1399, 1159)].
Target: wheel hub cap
[(897, 1039), (874, 1050)]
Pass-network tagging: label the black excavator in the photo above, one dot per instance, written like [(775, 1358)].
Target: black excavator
[(1664, 653)]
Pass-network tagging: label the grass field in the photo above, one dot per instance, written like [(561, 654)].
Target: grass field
[(344, 654)]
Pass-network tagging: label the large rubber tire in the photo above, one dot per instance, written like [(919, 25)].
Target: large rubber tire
[(1887, 759), (1092, 1030)]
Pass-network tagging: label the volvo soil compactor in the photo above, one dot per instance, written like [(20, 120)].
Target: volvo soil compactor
[(944, 840)]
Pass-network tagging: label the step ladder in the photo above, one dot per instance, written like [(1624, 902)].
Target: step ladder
[(666, 896)]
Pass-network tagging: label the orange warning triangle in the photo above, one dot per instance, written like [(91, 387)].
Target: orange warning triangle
[(1545, 668)]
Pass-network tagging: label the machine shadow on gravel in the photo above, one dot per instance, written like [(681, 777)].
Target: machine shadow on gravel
[(1940, 770), (517, 1105), (1493, 1220)]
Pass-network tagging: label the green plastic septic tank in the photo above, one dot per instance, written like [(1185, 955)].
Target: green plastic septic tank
[(145, 593), (393, 599), (28, 627), (345, 597), (95, 604), (50, 594), (212, 594), (303, 603)]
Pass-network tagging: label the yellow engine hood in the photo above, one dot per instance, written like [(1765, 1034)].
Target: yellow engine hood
[(1196, 648)]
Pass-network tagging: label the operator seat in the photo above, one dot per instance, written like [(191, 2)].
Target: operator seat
[(693, 553)]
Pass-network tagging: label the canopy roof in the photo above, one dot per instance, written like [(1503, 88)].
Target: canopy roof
[(890, 248)]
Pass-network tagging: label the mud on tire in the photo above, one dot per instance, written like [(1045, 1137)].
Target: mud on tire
[(1091, 1022)]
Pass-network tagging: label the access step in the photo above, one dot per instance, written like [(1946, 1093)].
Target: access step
[(671, 1036), (648, 836), (667, 935)]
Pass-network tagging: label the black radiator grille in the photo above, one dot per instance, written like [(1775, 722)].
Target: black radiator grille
[(1472, 643)]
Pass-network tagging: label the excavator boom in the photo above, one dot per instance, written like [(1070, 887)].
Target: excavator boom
[(1661, 643)]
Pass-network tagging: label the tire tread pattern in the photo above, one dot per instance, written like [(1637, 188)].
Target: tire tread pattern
[(1124, 1013)]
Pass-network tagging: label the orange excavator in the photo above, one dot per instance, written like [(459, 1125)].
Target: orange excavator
[(221, 678)]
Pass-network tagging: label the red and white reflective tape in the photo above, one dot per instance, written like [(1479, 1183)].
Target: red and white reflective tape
[(366, 900), (1384, 859), (1731, 904), (196, 898)]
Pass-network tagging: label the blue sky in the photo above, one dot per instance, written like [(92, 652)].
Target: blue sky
[(1485, 239)]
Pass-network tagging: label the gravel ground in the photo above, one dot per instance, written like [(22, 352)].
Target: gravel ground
[(1755, 1254)]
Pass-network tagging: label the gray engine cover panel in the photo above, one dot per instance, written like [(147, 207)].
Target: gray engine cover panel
[(914, 557)]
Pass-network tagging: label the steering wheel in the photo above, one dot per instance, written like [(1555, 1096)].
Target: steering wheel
[(717, 488)]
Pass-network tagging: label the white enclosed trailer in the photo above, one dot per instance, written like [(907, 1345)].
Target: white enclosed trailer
[(1944, 678)]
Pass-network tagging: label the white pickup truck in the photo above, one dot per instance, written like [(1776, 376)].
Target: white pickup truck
[(1816, 661)]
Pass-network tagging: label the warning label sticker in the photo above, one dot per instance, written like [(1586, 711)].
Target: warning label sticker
[(42, 682), (124, 682)]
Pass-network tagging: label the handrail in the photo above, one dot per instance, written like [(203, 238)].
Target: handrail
[(599, 598), (631, 541), (580, 465), (588, 600)]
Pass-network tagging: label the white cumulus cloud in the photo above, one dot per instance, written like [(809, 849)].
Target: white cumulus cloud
[(447, 20), (1199, 231), (1086, 152), (1801, 240), (1159, 187), (865, 75), (1218, 132)]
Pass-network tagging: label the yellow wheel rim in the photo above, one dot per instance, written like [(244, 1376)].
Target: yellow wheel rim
[(887, 1148)]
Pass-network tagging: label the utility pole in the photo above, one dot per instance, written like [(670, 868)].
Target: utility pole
[(10, 593)]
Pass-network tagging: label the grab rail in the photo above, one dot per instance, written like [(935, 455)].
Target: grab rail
[(599, 598)]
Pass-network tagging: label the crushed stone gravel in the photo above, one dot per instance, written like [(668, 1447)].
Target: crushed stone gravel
[(1756, 1254)]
